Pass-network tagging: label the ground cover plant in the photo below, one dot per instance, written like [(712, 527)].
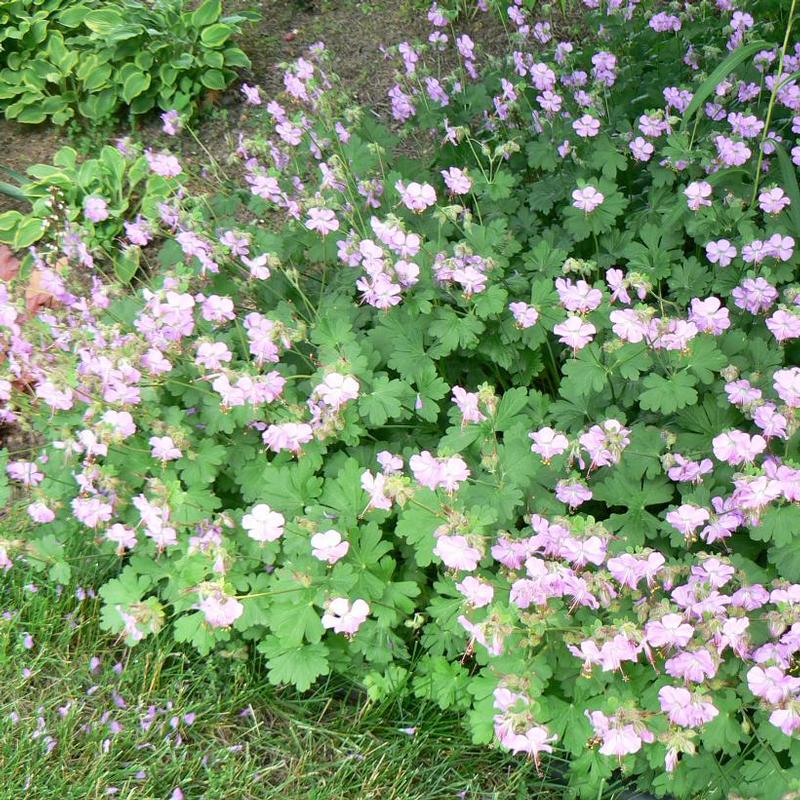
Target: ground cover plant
[(510, 422), (61, 60)]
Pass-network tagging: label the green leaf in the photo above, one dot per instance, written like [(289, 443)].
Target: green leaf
[(299, 665), (667, 395), (383, 401), (416, 523), (135, 84), (206, 13), (215, 36), (126, 264), (780, 525), (705, 359), (213, 79), (201, 465), (584, 374), (193, 629), (104, 21)]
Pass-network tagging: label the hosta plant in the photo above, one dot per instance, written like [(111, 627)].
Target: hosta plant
[(497, 403), (61, 60)]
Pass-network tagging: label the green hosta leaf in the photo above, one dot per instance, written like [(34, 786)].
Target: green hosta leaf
[(668, 394), (216, 35), (206, 13), (213, 79), (104, 21), (298, 665), (135, 84)]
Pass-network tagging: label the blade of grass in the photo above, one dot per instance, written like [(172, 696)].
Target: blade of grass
[(789, 176), (716, 77)]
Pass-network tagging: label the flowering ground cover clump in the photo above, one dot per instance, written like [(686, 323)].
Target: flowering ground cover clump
[(513, 424)]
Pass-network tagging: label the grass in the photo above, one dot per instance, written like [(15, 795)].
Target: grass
[(65, 734)]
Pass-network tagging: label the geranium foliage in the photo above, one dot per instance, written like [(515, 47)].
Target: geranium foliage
[(511, 421)]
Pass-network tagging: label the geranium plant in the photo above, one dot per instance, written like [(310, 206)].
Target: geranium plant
[(512, 423)]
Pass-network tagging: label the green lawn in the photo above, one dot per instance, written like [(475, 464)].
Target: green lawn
[(66, 735)]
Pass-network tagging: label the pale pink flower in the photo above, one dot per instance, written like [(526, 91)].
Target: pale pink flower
[(575, 332), (587, 199), (548, 443), (263, 524), (220, 610), (328, 546), (164, 449), (344, 618)]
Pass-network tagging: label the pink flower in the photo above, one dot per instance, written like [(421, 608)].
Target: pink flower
[(323, 220), (686, 519), (328, 546), (575, 332), (263, 524), (693, 666), (220, 610), (736, 447), (477, 593), (336, 389), (252, 95), (709, 316), (683, 709), (772, 684), (697, 195), (416, 196), (95, 209), (721, 252), (40, 513), (171, 122), (163, 164), (773, 201), (573, 493), (457, 180), (457, 553), (787, 719), (433, 473), (122, 536), (525, 316), (784, 325), (287, 436), (587, 199), (344, 618), (548, 443), (586, 126), (641, 149), (578, 297), (535, 740), (164, 448), (669, 631), (787, 385), (467, 403)]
